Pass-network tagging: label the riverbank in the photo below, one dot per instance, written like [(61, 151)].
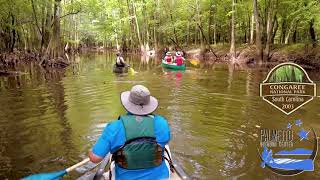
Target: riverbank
[(307, 56), (302, 54), (9, 60)]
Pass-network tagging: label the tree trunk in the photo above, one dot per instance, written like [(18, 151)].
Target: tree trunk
[(252, 29), (233, 46), (117, 42), (312, 33), (270, 23), (188, 34), (214, 33), (131, 22), (198, 9), (55, 49), (294, 36), (142, 48), (38, 32), (123, 36), (146, 28), (13, 38), (258, 33), (275, 29), (210, 22), (290, 31), (155, 27), (174, 29)]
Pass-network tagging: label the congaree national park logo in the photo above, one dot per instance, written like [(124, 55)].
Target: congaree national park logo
[(287, 87), (289, 150)]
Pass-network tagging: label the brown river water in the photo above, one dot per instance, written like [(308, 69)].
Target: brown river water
[(49, 121)]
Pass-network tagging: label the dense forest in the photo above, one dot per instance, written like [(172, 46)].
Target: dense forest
[(54, 26)]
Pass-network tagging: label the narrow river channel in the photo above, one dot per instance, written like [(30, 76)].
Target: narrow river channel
[(49, 121)]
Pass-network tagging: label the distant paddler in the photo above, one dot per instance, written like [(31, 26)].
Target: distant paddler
[(168, 57), (120, 63), (179, 59), (121, 66)]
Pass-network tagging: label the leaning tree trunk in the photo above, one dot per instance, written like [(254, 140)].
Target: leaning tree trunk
[(55, 49), (294, 23)]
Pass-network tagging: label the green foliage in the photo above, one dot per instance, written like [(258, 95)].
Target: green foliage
[(287, 73), (113, 22)]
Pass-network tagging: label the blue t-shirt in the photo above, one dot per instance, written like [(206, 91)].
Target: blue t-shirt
[(113, 137)]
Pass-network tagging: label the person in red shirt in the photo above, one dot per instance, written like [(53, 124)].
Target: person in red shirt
[(168, 57), (179, 59)]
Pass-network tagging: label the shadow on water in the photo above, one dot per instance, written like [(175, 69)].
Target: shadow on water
[(50, 120)]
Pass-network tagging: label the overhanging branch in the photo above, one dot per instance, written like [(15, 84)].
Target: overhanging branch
[(71, 13)]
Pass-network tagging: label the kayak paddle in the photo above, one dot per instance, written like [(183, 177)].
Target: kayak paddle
[(57, 174), (194, 62), (131, 70)]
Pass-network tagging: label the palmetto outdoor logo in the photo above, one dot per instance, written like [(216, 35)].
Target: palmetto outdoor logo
[(288, 87), (289, 150)]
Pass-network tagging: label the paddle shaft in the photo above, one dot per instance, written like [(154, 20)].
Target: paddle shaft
[(78, 165)]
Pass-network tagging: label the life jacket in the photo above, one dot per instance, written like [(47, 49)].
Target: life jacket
[(141, 150), (168, 58), (179, 60)]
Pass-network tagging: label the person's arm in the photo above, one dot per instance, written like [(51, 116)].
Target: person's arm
[(102, 146), (123, 62), (94, 158), (162, 130)]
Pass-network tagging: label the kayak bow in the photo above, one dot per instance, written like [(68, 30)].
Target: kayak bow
[(173, 66), (120, 69)]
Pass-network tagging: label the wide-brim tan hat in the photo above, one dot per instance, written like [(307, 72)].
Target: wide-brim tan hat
[(138, 101)]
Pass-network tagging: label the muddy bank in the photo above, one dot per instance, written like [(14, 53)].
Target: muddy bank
[(9, 61), (306, 56)]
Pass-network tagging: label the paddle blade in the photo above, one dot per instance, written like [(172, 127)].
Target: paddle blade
[(46, 176), (194, 62), (131, 70)]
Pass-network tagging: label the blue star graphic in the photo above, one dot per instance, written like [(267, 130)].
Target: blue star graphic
[(289, 126), (298, 122), (303, 134)]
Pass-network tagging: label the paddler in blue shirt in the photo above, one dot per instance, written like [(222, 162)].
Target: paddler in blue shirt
[(136, 140)]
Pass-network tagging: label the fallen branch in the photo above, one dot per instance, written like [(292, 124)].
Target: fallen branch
[(176, 43), (6, 73), (207, 41)]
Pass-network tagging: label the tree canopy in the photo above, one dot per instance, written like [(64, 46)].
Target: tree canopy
[(146, 24)]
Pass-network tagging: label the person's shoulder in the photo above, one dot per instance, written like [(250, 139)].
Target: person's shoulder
[(113, 125), (160, 120), (157, 116)]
